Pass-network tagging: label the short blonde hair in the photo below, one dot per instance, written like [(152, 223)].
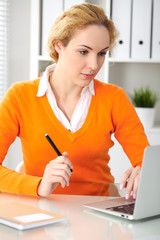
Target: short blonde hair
[(75, 18)]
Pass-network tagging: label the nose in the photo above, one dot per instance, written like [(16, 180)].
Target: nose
[(93, 63)]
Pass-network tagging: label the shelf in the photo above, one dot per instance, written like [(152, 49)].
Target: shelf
[(112, 60), (45, 58), (155, 129), (131, 60)]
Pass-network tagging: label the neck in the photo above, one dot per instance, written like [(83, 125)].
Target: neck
[(62, 87), (66, 93)]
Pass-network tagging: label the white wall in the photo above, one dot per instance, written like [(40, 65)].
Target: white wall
[(19, 49), (19, 35)]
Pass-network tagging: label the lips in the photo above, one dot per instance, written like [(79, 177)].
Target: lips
[(87, 76)]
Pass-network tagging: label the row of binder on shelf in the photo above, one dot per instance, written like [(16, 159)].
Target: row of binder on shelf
[(139, 32), (136, 20)]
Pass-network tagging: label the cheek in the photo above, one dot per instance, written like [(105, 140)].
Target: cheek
[(75, 58), (70, 59), (101, 61), (71, 66), (76, 63)]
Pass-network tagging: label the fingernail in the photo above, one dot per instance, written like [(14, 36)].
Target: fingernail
[(127, 196), (134, 196), (121, 186)]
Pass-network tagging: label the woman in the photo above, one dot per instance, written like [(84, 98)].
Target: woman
[(77, 111)]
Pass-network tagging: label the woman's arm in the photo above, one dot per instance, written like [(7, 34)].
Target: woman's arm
[(11, 181), (130, 134)]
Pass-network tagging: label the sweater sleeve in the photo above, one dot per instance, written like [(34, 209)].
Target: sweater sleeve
[(11, 181), (129, 130)]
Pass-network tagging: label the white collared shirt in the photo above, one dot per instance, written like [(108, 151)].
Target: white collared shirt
[(80, 112)]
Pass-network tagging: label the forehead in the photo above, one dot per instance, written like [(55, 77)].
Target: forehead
[(91, 35)]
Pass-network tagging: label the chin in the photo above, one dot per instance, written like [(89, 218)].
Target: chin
[(85, 83)]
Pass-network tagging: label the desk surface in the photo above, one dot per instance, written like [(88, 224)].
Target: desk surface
[(82, 223)]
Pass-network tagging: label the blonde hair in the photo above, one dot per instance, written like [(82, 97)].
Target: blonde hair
[(75, 18)]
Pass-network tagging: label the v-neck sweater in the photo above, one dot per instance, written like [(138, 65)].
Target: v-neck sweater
[(29, 117)]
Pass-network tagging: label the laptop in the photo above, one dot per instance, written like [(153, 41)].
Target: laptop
[(147, 203)]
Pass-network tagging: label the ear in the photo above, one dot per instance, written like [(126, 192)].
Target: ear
[(58, 46)]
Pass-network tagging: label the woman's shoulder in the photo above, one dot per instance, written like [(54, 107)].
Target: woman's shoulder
[(107, 88), (29, 84), (21, 90), (24, 88)]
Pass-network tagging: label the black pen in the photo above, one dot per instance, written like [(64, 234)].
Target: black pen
[(54, 146)]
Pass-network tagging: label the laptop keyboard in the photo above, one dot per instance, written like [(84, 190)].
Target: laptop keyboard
[(128, 209)]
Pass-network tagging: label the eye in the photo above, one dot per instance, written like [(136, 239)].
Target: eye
[(102, 53), (83, 52)]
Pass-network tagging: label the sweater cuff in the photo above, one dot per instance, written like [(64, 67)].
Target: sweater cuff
[(28, 185)]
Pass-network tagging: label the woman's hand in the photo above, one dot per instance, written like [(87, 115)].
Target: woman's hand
[(130, 181), (57, 171)]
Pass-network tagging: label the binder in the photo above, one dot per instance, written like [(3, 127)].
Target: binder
[(21, 216), (50, 11), (156, 30), (141, 29), (121, 16), (69, 3)]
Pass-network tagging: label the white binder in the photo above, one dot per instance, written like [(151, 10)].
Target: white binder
[(50, 11), (69, 3), (141, 29), (156, 30), (121, 16)]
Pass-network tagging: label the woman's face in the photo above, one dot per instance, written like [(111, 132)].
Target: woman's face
[(84, 55)]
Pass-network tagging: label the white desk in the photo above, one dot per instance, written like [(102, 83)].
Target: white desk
[(82, 224)]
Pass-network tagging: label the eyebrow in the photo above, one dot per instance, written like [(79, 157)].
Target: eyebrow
[(92, 48)]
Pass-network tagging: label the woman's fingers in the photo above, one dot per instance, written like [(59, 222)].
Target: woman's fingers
[(60, 167), (62, 160), (124, 178), (65, 169), (63, 174), (65, 154), (130, 181), (135, 188), (57, 171)]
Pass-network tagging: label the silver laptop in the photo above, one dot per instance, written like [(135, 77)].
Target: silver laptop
[(147, 203)]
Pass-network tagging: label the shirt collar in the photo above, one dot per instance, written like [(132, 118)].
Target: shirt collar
[(91, 87), (44, 83)]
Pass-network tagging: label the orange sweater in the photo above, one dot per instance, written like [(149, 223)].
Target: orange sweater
[(29, 117)]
